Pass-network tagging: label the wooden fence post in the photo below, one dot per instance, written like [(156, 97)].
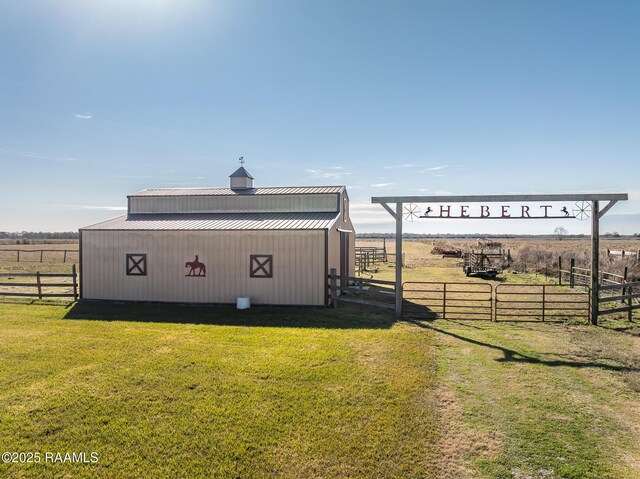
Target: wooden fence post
[(560, 270), (41, 251), (75, 282), (333, 286), (64, 258), (18, 251), (39, 285), (572, 278)]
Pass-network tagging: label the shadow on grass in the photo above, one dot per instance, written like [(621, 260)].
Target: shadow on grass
[(415, 310), (37, 302), (631, 328), (345, 316), (512, 356)]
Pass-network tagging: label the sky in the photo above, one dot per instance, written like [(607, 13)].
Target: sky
[(100, 99)]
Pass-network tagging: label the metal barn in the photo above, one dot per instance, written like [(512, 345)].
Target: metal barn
[(213, 245)]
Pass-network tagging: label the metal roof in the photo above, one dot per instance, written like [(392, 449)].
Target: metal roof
[(275, 190), (217, 221), (241, 172)]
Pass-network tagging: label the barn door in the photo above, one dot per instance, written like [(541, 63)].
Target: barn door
[(344, 254)]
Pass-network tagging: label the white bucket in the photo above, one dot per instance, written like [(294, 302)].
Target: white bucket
[(243, 302)]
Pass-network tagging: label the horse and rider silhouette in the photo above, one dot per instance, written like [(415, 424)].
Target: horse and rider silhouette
[(196, 265)]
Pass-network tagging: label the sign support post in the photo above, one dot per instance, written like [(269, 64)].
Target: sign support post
[(399, 260), (595, 260)]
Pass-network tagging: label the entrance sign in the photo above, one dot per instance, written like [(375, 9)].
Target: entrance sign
[(563, 206), (413, 211), (580, 210)]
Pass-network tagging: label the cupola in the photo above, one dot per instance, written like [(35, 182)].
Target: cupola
[(241, 179)]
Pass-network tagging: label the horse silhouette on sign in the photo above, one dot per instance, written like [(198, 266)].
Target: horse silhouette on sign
[(197, 268)]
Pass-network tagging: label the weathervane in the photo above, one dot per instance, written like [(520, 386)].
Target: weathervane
[(241, 160)]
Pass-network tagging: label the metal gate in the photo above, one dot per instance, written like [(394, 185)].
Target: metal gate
[(540, 302), (448, 300), (507, 302)]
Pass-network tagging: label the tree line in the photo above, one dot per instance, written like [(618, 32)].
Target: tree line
[(39, 235)]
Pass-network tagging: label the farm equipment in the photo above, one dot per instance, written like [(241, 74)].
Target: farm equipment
[(447, 253), (484, 264)]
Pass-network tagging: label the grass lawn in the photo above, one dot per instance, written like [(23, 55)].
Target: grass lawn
[(168, 391), (532, 400), (218, 393)]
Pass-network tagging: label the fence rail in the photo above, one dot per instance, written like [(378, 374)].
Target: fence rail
[(505, 302), (29, 254), (624, 253), (368, 256), (582, 276), (43, 289), (373, 292), (627, 294), (540, 302), (481, 301), (448, 300)]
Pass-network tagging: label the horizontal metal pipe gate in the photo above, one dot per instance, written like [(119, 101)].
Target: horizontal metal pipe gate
[(448, 300), (540, 302), (505, 302)]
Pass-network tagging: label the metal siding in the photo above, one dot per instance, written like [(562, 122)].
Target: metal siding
[(233, 204), (298, 266), (334, 249), (80, 270)]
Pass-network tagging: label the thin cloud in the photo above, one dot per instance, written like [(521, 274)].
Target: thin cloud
[(383, 220), (369, 213), (143, 177), (105, 208), (35, 156), (436, 168), (403, 165), (317, 173), (382, 185), (366, 208), (84, 117)]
